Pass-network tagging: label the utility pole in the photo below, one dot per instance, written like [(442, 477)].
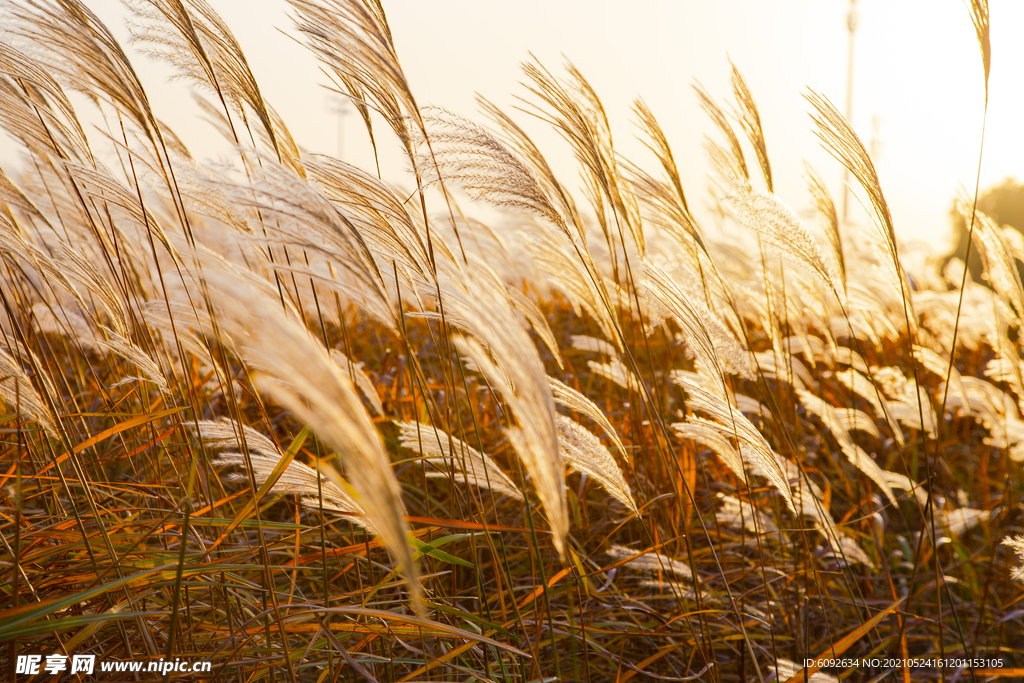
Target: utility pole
[(338, 104), (851, 27), (876, 145)]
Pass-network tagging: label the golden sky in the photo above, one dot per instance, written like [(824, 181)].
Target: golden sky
[(918, 85)]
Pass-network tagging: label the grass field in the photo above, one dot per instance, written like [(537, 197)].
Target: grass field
[(283, 417)]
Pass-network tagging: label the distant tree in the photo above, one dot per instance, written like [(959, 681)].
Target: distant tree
[(1004, 204)]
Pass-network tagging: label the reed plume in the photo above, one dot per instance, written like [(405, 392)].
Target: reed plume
[(168, 324), (454, 458)]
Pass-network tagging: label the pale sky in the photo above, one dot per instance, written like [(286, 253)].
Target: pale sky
[(917, 72)]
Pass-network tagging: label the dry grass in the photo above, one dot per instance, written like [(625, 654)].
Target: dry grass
[(284, 418)]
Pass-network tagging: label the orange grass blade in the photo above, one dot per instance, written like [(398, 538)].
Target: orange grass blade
[(540, 589), (124, 426)]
